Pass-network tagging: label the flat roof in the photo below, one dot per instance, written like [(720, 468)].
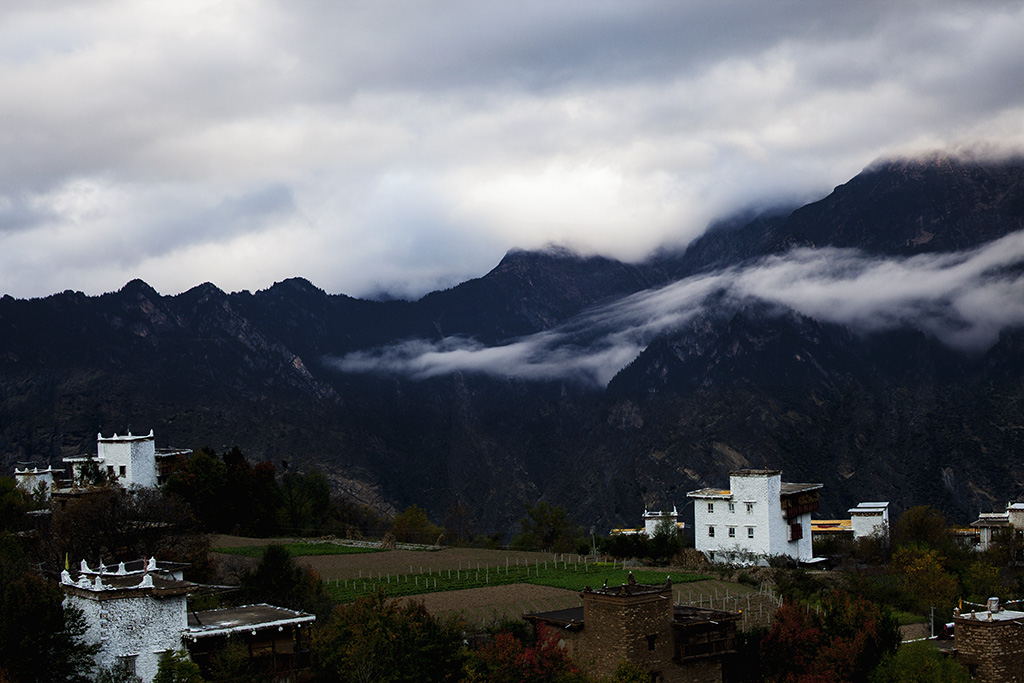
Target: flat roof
[(218, 622), (990, 617), (789, 489), (709, 493)]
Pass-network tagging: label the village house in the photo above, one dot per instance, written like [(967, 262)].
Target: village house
[(989, 524), (867, 519), (640, 623), (652, 518), (990, 643), (128, 459), (34, 480), (136, 611), (758, 517)]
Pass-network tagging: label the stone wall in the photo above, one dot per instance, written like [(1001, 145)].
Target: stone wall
[(637, 627), (992, 650)]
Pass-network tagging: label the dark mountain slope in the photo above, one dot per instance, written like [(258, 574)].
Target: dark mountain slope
[(892, 416)]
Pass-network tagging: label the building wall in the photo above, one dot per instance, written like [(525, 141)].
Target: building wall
[(142, 626), (751, 510), (635, 627), (868, 524), (993, 651), (136, 454)]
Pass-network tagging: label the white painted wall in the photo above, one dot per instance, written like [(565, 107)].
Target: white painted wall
[(141, 626), (751, 509), (135, 454)]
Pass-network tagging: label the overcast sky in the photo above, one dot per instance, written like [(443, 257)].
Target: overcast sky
[(372, 146)]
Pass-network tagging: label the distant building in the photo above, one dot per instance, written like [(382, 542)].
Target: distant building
[(989, 524), (757, 517), (136, 611), (130, 460), (870, 519), (652, 518), (32, 479), (990, 643), (640, 623), (867, 519)]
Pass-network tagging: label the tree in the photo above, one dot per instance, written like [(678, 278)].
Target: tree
[(40, 639), (13, 504), (919, 663), (176, 667), (377, 639), (923, 526), (279, 580), (547, 527), (665, 542), (845, 642), (412, 526), (305, 502), (508, 660), (922, 580)]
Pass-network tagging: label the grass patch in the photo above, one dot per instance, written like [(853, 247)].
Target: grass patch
[(298, 549), (557, 575)]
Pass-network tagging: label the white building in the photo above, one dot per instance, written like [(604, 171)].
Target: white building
[(129, 460), (757, 517), (32, 479), (652, 518), (870, 519), (137, 611), (990, 523), (135, 614)]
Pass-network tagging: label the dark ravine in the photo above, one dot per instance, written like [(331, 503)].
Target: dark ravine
[(892, 416)]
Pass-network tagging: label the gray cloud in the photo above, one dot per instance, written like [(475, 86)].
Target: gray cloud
[(410, 146), (964, 300)]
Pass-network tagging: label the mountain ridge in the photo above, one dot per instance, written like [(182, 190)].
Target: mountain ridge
[(890, 413)]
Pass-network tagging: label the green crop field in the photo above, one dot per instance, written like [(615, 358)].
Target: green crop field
[(558, 575), (298, 549)]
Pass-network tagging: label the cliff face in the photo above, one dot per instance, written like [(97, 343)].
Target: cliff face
[(890, 412)]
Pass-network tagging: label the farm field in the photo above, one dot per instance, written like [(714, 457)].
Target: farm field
[(448, 583)]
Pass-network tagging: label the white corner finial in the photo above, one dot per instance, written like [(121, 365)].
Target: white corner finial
[(65, 576), (98, 583), (84, 566), (120, 569), (151, 432), (151, 565), (99, 436), (147, 581), (83, 582)]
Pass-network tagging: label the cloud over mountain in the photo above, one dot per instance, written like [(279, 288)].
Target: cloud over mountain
[(963, 299)]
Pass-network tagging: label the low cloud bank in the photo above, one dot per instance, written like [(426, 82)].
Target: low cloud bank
[(963, 299)]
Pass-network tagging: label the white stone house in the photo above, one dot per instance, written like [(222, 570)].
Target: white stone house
[(134, 614), (989, 524), (652, 518), (870, 519), (759, 516), (32, 479), (129, 460), (137, 611)]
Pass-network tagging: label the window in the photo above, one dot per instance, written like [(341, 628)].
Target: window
[(127, 664), (750, 532), (124, 471), (732, 507), (110, 470), (650, 641), (732, 532), (711, 532), (750, 508), (711, 507)]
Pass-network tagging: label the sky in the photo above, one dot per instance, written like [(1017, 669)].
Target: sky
[(400, 148)]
